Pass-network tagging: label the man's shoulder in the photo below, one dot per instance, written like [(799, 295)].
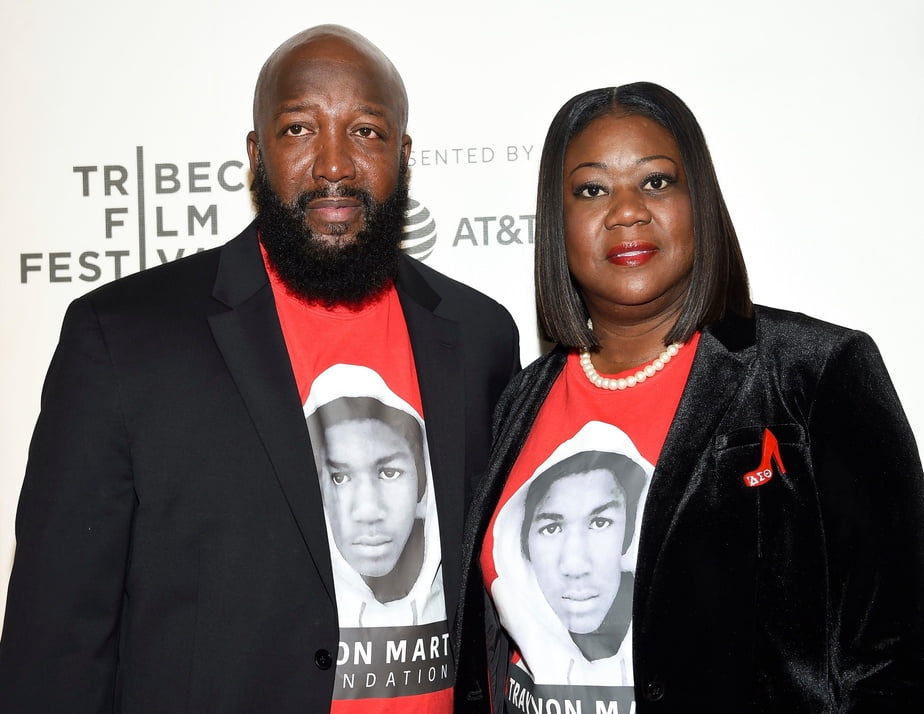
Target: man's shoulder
[(192, 276), (424, 282)]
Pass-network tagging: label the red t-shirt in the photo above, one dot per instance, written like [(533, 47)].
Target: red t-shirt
[(560, 552), (357, 380)]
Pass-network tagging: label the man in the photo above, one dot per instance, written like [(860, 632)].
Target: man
[(561, 558), (577, 526), (172, 554), (372, 488), (376, 487)]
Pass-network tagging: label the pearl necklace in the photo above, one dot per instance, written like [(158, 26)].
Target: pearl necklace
[(649, 370)]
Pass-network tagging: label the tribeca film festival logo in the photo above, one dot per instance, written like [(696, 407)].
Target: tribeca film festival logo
[(148, 217), (153, 216)]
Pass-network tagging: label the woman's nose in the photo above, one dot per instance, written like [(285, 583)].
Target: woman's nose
[(627, 208)]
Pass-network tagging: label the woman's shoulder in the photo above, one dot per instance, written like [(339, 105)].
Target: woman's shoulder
[(548, 364), (775, 324), (530, 386), (798, 339)]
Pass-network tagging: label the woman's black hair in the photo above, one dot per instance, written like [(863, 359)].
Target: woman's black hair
[(719, 282)]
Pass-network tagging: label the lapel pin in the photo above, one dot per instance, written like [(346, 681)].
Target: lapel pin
[(770, 452)]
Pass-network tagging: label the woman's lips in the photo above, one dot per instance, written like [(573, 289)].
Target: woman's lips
[(632, 254)]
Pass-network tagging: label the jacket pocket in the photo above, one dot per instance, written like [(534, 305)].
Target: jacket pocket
[(782, 517)]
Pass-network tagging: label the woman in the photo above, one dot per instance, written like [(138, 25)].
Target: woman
[(779, 564)]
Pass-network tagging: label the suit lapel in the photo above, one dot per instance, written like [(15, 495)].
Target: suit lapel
[(725, 352), (250, 339), (440, 375)]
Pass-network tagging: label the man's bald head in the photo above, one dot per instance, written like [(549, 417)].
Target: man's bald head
[(329, 156), (327, 45)]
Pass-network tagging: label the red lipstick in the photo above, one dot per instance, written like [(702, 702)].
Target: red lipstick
[(632, 254)]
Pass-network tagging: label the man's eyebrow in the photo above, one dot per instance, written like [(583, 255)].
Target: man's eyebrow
[(610, 504), (552, 516), (383, 459), (307, 106), (374, 111), (292, 109), (386, 458), (548, 516)]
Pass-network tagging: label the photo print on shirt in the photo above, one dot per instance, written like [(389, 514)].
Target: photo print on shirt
[(565, 547), (377, 491)]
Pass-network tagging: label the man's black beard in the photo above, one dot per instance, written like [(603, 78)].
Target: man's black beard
[(348, 274)]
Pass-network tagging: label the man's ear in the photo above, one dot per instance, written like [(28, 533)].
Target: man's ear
[(253, 151), (405, 150)]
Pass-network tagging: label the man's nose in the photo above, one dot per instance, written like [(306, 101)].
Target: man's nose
[(367, 505), (574, 561), (333, 161)]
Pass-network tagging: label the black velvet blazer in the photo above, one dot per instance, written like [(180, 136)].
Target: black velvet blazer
[(804, 594)]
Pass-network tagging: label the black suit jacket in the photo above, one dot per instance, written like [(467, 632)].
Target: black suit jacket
[(804, 594), (171, 548)]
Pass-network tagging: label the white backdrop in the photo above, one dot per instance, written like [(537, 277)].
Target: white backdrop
[(812, 110)]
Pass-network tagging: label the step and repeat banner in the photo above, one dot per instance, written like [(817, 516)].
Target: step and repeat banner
[(123, 127)]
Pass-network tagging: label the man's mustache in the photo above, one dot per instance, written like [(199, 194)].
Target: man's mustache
[(306, 197)]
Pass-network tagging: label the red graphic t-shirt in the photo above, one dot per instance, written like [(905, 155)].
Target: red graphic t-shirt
[(356, 376), (560, 553)]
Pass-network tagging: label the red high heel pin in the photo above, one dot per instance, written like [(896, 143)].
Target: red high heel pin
[(770, 452)]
